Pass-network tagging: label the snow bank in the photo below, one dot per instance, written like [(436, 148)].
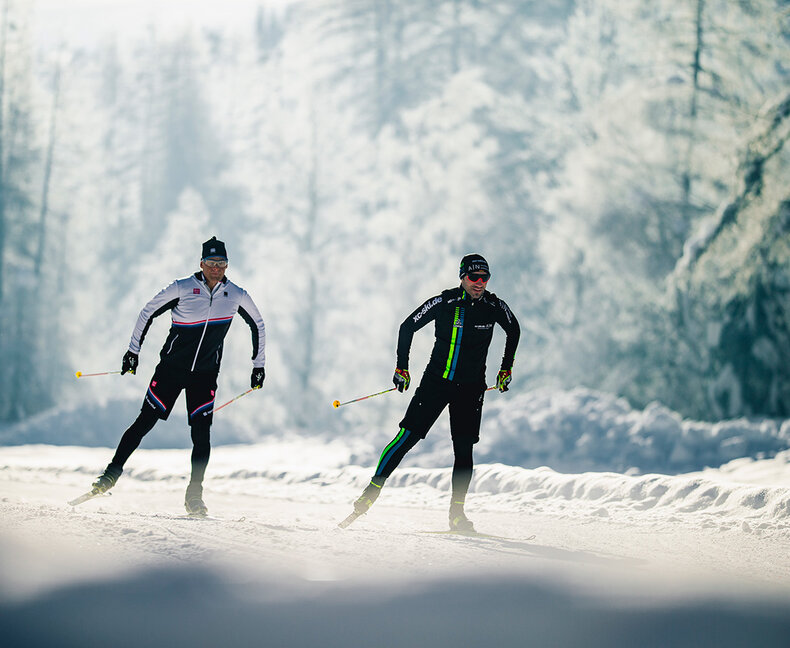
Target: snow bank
[(570, 431), (699, 500), (607, 490), (101, 424), (284, 466), (583, 430), (773, 471)]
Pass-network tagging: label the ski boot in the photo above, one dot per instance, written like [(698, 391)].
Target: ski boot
[(193, 501), (459, 523), (106, 480), (363, 503), (369, 495)]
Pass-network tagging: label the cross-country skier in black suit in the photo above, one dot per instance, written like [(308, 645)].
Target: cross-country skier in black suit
[(464, 320)]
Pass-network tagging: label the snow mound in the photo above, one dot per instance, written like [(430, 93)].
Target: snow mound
[(681, 494), (570, 431), (279, 467), (773, 471), (101, 424), (583, 430)]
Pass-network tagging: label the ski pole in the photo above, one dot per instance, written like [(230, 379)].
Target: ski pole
[(337, 404), (217, 409), (79, 374)]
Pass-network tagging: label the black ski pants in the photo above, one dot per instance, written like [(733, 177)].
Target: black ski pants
[(465, 401), (200, 390)]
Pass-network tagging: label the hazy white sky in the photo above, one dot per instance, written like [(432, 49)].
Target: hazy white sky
[(87, 21)]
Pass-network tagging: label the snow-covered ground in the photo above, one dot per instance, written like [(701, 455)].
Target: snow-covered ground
[(654, 560)]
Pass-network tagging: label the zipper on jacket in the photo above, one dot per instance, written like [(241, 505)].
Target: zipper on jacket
[(205, 326), (170, 348)]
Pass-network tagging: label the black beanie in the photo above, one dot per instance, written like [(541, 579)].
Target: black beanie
[(473, 263), (214, 248)]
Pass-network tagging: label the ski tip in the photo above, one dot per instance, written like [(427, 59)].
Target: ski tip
[(347, 521), (86, 496)]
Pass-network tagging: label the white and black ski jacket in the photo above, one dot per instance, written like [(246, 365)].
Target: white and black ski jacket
[(201, 319)]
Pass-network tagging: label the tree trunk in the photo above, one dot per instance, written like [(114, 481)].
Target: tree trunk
[(455, 47), (3, 179), (42, 218), (382, 15), (308, 252), (695, 91)]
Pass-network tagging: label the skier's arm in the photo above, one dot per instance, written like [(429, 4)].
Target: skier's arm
[(424, 313), (509, 323), (249, 313), (165, 300)]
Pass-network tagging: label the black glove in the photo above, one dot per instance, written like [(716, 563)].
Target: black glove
[(256, 379), (503, 379), (401, 379), (129, 363)]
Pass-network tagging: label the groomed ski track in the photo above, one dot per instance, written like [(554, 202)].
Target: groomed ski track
[(274, 538)]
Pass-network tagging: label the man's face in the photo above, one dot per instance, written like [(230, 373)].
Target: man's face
[(475, 283), (214, 268)]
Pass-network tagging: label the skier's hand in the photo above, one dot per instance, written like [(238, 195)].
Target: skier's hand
[(256, 379), (503, 379), (401, 379), (129, 363)]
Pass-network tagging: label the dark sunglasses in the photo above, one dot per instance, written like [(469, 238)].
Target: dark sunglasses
[(474, 278)]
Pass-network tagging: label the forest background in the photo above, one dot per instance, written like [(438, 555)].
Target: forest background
[(622, 164)]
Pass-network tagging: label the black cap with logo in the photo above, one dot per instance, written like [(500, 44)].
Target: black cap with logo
[(214, 248), (473, 263)]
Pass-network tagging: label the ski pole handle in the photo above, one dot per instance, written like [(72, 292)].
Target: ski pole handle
[(79, 374), (217, 409), (337, 404)]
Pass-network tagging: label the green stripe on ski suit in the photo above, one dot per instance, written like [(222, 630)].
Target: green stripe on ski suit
[(452, 355), (452, 344), (388, 448)]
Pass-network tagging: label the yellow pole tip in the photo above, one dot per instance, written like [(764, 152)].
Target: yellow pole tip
[(78, 374), (336, 404)]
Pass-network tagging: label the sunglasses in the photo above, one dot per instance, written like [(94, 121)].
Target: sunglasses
[(474, 278), (215, 263)]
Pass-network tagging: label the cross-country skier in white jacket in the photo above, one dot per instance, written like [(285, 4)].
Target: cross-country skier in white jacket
[(202, 307)]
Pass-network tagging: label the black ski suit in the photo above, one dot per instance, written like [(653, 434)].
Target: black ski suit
[(454, 376)]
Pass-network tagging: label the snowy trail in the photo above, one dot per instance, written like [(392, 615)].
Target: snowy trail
[(605, 543)]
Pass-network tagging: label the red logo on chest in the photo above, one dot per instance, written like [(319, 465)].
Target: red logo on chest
[(196, 291)]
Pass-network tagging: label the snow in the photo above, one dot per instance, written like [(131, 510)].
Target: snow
[(579, 430), (696, 559), (85, 22)]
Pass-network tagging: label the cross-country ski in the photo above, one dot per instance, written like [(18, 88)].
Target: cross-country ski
[(91, 494)]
